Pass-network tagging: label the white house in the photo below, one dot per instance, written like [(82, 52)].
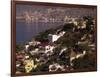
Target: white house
[(34, 43), (49, 49), (83, 25), (55, 37), (35, 51), (55, 66), (30, 43), (26, 47)]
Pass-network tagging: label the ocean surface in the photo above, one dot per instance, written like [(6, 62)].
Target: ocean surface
[(26, 31)]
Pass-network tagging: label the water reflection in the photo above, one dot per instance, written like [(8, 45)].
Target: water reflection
[(26, 31)]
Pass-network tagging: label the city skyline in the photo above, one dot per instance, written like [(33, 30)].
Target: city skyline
[(33, 12)]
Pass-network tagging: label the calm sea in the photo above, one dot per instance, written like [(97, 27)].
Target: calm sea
[(27, 31)]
